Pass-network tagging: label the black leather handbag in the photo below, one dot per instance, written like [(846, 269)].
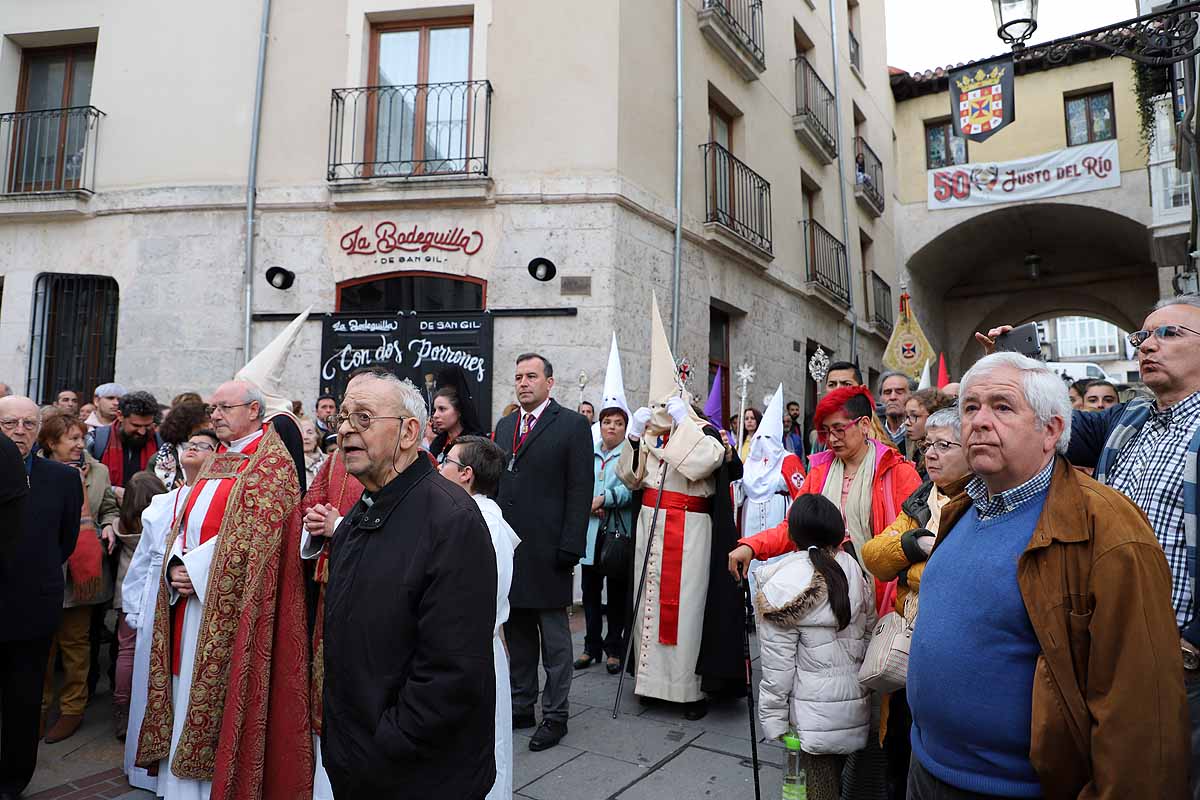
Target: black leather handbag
[(615, 547)]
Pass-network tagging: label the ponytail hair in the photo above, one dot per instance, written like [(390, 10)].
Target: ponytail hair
[(816, 525)]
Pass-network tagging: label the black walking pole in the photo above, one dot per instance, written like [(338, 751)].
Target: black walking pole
[(662, 477), (750, 693)]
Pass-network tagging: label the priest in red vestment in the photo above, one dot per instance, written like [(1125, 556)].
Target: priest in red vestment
[(227, 713)]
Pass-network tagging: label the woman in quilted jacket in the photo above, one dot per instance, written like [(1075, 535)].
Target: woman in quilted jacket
[(816, 609)]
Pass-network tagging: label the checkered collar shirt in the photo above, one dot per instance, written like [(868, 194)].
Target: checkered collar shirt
[(1010, 500), (1149, 471)]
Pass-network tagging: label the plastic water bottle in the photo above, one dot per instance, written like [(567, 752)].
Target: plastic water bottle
[(794, 787)]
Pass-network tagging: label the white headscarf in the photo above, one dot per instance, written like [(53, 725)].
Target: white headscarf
[(761, 475)]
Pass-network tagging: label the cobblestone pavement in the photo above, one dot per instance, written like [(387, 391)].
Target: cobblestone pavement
[(649, 752)]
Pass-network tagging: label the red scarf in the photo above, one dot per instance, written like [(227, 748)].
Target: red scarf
[(113, 456), (84, 564)]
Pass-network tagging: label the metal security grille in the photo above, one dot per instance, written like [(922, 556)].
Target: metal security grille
[(73, 340)]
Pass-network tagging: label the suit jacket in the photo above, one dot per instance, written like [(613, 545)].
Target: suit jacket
[(546, 494), (31, 575)]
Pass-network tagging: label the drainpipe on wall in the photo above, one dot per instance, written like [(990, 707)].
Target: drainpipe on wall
[(837, 116), (678, 176), (252, 177)]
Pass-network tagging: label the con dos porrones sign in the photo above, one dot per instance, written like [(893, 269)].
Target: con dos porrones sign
[(1085, 168), (416, 346)]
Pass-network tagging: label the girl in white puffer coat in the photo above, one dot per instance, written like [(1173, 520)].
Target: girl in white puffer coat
[(816, 611)]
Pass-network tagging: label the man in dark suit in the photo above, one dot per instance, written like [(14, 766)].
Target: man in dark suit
[(31, 591), (545, 494)]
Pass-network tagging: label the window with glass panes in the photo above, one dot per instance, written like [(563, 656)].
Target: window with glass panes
[(943, 147), (1086, 336), (1090, 117)]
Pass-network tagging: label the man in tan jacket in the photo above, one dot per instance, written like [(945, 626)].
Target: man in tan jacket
[(1044, 660)]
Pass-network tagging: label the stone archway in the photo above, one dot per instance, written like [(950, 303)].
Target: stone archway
[(975, 274)]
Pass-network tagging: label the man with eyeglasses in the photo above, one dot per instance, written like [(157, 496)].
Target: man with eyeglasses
[(1148, 450), (31, 590), (235, 635)]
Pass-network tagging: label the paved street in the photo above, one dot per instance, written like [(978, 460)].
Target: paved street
[(648, 753)]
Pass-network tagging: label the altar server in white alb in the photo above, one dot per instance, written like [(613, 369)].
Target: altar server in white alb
[(686, 630)]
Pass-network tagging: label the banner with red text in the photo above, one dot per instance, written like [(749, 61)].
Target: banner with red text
[(1076, 169)]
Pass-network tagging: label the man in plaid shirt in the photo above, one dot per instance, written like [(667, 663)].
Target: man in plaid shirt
[(1148, 451)]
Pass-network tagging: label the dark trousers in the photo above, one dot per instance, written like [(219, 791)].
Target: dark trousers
[(897, 745), (1192, 683), (522, 632), (22, 670), (923, 786), (617, 611)]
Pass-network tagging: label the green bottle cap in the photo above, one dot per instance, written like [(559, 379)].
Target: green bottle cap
[(791, 741)]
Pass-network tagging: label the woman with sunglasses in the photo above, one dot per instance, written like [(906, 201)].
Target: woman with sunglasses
[(900, 553)]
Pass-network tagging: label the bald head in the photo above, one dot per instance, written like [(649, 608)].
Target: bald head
[(20, 419)]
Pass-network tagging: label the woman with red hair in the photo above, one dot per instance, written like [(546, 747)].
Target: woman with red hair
[(867, 480)]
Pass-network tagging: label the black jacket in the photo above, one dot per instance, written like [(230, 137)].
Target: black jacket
[(410, 608), (31, 576), (14, 489), (546, 496)]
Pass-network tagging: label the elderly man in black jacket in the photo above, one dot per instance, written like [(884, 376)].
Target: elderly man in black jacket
[(31, 587), (546, 495), (409, 697)]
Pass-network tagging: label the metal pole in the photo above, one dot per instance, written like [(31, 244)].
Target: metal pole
[(837, 117), (678, 176), (252, 178)]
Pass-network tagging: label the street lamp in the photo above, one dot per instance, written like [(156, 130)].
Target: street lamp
[(1016, 20)]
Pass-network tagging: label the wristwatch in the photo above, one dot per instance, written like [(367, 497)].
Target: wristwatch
[(1191, 658)]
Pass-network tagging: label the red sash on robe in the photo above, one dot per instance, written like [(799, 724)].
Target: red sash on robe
[(676, 505)]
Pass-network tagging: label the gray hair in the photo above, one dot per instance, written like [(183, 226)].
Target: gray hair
[(408, 397), (253, 395), (1192, 300), (1044, 389), (946, 419), (891, 373)]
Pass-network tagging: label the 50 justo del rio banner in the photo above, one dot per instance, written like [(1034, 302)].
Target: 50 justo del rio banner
[(1076, 169)]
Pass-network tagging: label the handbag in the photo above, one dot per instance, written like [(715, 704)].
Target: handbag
[(616, 547), (885, 668)]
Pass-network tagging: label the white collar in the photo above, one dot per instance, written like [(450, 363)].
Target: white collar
[(537, 412), (238, 445)]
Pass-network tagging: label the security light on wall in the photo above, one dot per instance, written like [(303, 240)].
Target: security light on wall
[(281, 278), (542, 269)]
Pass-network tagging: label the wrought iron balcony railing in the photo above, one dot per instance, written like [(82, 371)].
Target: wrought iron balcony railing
[(52, 151), (736, 196), (881, 302), (815, 102), (825, 259), (745, 19), (855, 52), (425, 129), (868, 173)]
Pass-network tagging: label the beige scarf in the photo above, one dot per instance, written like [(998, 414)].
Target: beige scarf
[(857, 512)]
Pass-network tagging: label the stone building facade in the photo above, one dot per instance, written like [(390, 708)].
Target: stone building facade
[(545, 130)]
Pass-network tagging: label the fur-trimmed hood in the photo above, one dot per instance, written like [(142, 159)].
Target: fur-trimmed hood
[(793, 594), (792, 613)]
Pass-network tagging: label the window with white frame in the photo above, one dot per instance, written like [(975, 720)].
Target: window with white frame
[(1086, 336)]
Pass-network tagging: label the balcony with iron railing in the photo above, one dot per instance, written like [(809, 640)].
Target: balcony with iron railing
[(735, 29), (737, 200), (825, 262), (855, 52), (409, 133), (814, 121), (881, 303), (49, 152), (868, 178)]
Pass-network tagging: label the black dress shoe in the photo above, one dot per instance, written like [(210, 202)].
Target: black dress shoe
[(613, 667), (584, 661), (522, 721), (549, 734), (696, 710)]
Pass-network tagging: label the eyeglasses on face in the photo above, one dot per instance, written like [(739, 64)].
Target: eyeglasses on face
[(11, 423), (1163, 332), (940, 446), (202, 447), (359, 420), (838, 429), (224, 408), (461, 466)]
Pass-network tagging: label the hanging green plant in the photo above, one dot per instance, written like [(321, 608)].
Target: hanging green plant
[(1150, 83)]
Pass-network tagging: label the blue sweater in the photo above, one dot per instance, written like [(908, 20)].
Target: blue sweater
[(974, 652)]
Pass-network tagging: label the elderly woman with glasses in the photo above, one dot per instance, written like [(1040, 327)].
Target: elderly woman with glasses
[(900, 553)]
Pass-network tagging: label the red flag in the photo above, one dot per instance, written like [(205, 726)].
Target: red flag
[(943, 376)]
